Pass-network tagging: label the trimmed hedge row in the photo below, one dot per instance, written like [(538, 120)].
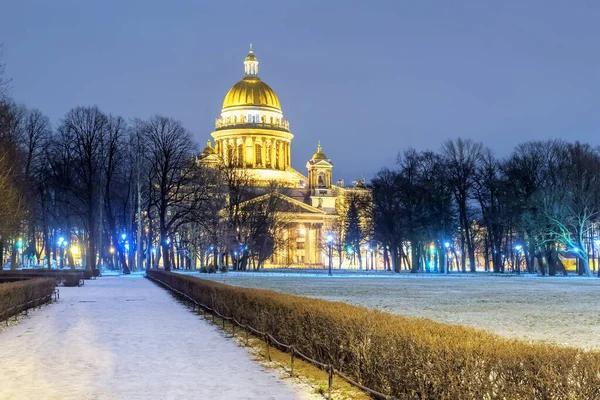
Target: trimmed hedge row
[(14, 296), (68, 277), (404, 357)]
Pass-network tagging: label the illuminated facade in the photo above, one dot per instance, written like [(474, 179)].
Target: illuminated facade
[(252, 133)]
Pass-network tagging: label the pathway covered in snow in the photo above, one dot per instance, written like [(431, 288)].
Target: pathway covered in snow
[(126, 338)]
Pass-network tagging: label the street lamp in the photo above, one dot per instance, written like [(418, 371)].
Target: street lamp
[(329, 245), (518, 258), (447, 246)]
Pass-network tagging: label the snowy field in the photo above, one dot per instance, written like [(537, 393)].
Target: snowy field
[(557, 310), (123, 337)]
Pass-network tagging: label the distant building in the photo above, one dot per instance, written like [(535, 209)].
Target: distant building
[(251, 133)]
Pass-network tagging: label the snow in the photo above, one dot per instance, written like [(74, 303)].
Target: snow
[(123, 337), (563, 311)]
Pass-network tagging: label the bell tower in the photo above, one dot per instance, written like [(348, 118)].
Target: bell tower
[(319, 180)]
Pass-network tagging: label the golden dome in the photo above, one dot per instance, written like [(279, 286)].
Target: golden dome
[(251, 91), (208, 149), (319, 155)]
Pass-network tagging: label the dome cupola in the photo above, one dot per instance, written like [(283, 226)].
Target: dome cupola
[(319, 155), (251, 91)]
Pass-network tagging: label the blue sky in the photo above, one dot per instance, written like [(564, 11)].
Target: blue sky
[(367, 79)]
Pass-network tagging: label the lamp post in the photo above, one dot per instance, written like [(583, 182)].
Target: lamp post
[(447, 246), (518, 258), (597, 242), (330, 245), (576, 251), (61, 245)]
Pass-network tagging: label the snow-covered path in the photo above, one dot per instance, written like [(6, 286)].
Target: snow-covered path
[(126, 338)]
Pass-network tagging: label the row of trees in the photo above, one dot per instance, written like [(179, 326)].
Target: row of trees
[(466, 204), (121, 189)]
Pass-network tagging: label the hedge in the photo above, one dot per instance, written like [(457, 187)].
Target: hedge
[(68, 277), (16, 297), (405, 357)]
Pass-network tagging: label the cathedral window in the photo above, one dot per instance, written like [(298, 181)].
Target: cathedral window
[(258, 154), (321, 182)]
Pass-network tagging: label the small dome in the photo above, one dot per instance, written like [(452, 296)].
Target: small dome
[(251, 91), (208, 150), (319, 155)]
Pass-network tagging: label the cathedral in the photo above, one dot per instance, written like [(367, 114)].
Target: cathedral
[(251, 133)]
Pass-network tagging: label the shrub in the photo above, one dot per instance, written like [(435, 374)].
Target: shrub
[(15, 296), (207, 269), (69, 277), (86, 273), (404, 357)]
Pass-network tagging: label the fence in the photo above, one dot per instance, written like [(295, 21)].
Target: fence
[(24, 307), (269, 339)]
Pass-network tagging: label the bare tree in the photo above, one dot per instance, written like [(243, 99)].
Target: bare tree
[(171, 166), (462, 157), (4, 81), (84, 131)]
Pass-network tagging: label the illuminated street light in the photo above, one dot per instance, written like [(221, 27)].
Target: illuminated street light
[(518, 259), (123, 236), (329, 245), (447, 244)]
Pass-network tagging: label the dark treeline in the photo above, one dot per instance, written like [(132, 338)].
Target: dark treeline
[(465, 208), (130, 195)]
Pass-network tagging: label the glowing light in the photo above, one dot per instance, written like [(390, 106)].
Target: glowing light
[(447, 244), (60, 240), (575, 249), (126, 246), (154, 250), (123, 236), (518, 247), (74, 250), (329, 238), (112, 250), (302, 231)]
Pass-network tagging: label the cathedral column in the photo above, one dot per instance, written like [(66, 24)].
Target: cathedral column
[(318, 253), (244, 153), (288, 147), (236, 153), (280, 152), (307, 244), (277, 157), (263, 153), (272, 151), (253, 152), (225, 152)]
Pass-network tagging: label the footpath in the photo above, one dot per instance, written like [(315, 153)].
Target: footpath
[(123, 337)]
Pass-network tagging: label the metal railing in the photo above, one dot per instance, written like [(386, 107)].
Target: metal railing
[(26, 306), (269, 340), (282, 126)]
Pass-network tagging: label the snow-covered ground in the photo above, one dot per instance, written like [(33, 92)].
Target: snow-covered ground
[(123, 337), (557, 310)]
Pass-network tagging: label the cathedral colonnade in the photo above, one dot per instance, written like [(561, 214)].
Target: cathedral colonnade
[(254, 152)]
